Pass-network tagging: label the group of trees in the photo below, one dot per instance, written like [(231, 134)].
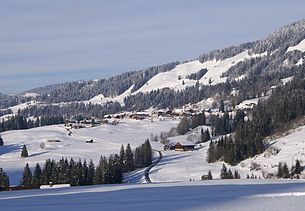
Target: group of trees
[(108, 171), (194, 121), (20, 122), (221, 149), (227, 173), (205, 135), (142, 155), (283, 171), (64, 171), (198, 75)]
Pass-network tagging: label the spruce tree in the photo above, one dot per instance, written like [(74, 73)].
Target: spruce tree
[(26, 176), (37, 177), (91, 171), (211, 153), (1, 141), (229, 174), (223, 172), (210, 175), (138, 158), (129, 162), (236, 175), (4, 179), (24, 152), (280, 170), (85, 172), (298, 167), (285, 171), (47, 172), (147, 153), (122, 157)]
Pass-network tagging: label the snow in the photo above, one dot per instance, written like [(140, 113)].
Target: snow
[(22, 106), (101, 99), (5, 117), (56, 186), (179, 166), (205, 103), (298, 47), (248, 104), (215, 68), (204, 195), (107, 140), (239, 78), (286, 80), (29, 94)]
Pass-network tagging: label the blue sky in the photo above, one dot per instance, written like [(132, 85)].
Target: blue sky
[(44, 42)]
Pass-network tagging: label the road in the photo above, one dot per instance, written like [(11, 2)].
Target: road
[(147, 170)]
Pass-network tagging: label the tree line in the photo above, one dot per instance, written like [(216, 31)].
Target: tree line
[(20, 122), (78, 173)]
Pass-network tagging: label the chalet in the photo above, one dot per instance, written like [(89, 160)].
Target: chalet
[(184, 146)]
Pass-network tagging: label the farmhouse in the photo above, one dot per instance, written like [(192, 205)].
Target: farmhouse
[(184, 146)]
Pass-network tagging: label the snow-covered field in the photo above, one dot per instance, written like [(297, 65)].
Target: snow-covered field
[(203, 195), (173, 79), (107, 140)]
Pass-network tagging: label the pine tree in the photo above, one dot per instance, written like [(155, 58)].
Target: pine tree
[(147, 153), (229, 174), (26, 176), (298, 167), (24, 152), (63, 171), (122, 157), (85, 172), (138, 158), (1, 141), (118, 171), (37, 177), (211, 153), (4, 179), (210, 175), (236, 175), (129, 162), (280, 170), (91, 172), (47, 172), (285, 171), (223, 172)]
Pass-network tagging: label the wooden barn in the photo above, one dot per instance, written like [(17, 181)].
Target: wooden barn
[(184, 146)]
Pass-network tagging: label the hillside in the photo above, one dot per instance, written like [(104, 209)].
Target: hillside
[(250, 68)]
